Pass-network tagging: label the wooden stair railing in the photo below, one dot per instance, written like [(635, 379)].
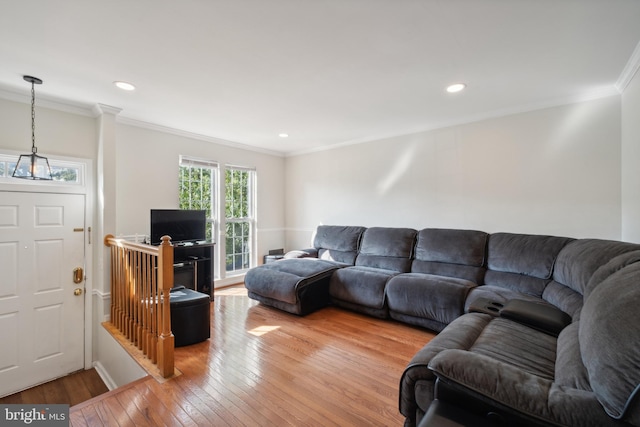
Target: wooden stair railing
[(141, 280)]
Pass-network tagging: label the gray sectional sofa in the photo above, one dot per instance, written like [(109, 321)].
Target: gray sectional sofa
[(533, 330)]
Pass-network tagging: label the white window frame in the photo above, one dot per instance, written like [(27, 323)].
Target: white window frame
[(251, 219), (214, 219)]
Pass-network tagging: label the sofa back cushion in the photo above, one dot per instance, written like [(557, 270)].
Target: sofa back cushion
[(609, 339), (452, 253), (338, 243), (387, 248), (575, 267), (522, 262), (578, 260)]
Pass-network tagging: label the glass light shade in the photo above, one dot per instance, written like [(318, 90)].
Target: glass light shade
[(32, 166)]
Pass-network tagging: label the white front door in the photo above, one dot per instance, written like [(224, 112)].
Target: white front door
[(41, 319)]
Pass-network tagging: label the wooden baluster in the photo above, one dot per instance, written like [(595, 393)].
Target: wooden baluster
[(119, 290), (138, 300), (145, 305), (123, 290), (166, 338), (129, 289), (153, 310)]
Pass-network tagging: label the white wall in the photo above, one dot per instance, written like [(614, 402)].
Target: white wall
[(552, 171), (631, 161), (147, 178), (58, 133)]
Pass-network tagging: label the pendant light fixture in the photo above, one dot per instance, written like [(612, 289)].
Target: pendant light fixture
[(32, 166)]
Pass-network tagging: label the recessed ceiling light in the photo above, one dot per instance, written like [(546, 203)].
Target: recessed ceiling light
[(283, 135), (457, 87), (124, 85)]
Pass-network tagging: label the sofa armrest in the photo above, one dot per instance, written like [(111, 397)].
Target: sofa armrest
[(460, 334), (542, 317), (302, 253)]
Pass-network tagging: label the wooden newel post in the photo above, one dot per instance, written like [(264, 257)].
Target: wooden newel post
[(166, 338)]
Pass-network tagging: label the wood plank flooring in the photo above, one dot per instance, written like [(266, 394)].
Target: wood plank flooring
[(264, 367), (72, 390)]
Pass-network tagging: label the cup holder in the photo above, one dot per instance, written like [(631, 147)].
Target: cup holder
[(494, 306), (487, 306)]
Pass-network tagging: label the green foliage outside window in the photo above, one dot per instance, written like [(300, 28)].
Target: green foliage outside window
[(196, 192), (238, 213), (64, 174)]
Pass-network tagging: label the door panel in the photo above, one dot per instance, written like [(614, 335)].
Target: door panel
[(41, 320)]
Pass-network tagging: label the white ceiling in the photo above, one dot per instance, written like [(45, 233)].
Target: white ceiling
[(326, 72)]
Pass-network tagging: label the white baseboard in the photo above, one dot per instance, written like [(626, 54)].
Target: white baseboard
[(104, 375)]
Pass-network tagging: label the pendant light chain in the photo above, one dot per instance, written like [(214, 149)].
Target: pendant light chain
[(34, 150)]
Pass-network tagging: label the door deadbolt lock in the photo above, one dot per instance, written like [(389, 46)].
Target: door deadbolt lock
[(78, 275), (77, 291)]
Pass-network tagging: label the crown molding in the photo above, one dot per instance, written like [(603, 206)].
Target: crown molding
[(525, 108), (45, 101), (186, 134), (96, 110), (629, 70), (100, 109)]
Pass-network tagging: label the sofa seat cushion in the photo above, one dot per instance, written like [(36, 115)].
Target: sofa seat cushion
[(518, 345), (511, 390), (360, 286), (297, 285), (428, 296), (279, 280)]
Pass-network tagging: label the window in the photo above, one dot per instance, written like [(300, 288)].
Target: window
[(230, 221), (61, 171), (198, 189), (239, 217)]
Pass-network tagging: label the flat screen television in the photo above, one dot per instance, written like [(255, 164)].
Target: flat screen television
[(181, 225)]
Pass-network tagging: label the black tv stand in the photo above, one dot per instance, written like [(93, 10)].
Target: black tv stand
[(193, 266)]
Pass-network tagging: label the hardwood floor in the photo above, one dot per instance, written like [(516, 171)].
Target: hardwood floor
[(264, 367), (72, 389)]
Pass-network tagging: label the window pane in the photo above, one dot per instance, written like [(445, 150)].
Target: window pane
[(197, 192), (65, 174), (239, 217)]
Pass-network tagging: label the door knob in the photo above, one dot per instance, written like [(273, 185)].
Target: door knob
[(78, 275), (77, 291)]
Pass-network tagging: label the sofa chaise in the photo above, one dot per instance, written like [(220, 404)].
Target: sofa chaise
[(533, 330)]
